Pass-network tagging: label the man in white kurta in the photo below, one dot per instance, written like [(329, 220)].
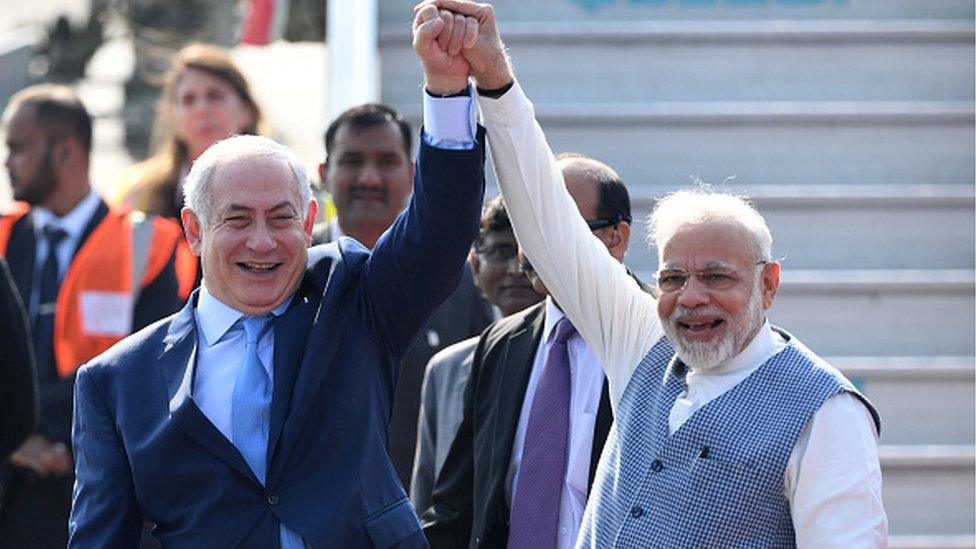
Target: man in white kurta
[(831, 481)]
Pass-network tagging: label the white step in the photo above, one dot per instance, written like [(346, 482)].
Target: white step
[(844, 227), (929, 490), (400, 12), (770, 143), (690, 61), (891, 313), (932, 542), (922, 400)]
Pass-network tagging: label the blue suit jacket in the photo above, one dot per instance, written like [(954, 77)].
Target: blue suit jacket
[(143, 448)]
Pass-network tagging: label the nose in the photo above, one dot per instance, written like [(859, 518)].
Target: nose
[(513, 266), (370, 175), (261, 239), (694, 294)]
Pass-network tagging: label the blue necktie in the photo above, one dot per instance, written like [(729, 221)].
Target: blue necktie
[(539, 489), (252, 400), (251, 410), (43, 329)]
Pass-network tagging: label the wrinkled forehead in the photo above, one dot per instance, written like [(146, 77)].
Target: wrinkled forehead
[(255, 179), (708, 244)]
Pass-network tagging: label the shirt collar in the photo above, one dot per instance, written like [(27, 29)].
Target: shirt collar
[(74, 222), (335, 229), (553, 315), (215, 318)]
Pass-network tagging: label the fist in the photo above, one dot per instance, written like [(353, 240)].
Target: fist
[(439, 37)]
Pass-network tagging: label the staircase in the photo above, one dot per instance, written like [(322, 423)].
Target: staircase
[(851, 124)]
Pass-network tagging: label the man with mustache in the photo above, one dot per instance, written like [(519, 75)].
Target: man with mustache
[(368, 169), (729, 432)]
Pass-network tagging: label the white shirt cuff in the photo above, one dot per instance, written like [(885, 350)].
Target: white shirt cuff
[(450, 122)]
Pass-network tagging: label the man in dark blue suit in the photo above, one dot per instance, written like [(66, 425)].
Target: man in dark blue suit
[(257, 416)]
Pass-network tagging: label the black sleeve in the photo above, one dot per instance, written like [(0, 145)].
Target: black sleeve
[(18, 384), (159, 299)]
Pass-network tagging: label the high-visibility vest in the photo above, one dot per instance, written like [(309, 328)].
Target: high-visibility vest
[(96, 300)]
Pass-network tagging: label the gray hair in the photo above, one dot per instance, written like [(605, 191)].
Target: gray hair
[(197, 189), (692, 207)]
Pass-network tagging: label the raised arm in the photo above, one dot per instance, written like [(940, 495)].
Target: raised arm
[(416, 264), (616, 318)]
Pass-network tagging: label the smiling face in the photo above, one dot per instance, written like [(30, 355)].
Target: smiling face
[(370, 177), (709, 326), (253, 250), (496, 273), (206, 109)]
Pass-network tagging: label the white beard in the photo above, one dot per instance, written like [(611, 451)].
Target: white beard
[(702, 356)]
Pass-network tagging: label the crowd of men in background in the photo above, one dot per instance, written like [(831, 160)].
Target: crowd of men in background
[(499, 420)]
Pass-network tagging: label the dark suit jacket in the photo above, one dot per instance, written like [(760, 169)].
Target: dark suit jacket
[(469, 508), (144, 449), (18, 387), (463, 314)]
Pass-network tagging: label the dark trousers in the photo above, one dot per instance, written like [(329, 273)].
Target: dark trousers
[(34, 512)]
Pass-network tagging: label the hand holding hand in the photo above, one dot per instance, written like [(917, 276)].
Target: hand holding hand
[(489, 63), (439, 36)]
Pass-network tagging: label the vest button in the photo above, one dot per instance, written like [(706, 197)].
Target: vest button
[(272, 498), (657, 466), (636, 511)]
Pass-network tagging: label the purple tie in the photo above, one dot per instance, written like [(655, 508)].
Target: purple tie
[(535, 506)]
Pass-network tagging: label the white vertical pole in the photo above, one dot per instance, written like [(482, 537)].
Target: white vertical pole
[(353, 56)]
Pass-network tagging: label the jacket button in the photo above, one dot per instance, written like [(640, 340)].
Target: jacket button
[(637, 511), (657, 466), (272, 498)]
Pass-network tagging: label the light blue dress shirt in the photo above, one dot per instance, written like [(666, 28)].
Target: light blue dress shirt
[(220, 351)]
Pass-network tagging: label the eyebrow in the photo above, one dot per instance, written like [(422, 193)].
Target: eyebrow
[(242, 208), (671, 266)]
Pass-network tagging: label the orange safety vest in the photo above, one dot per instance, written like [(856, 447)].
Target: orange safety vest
[(95, 303)]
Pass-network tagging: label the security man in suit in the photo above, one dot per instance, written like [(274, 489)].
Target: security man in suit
[(89, 275), (497, 275), (257, 415), (368, 170), (503, 475)]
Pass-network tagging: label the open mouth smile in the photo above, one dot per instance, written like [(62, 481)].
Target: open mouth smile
[(258, 268)]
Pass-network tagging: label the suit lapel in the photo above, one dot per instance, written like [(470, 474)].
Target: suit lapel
[(290, 332), (604, 419), (178, 362), (515, 368), (325, 327), (20, 256)]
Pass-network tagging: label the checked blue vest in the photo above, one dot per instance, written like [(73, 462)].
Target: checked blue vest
[(718, 480)]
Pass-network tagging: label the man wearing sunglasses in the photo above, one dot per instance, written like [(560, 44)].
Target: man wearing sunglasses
[(728, 432), (520, 467)]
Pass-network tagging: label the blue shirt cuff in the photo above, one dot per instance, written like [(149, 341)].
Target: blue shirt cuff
[(450, 122)]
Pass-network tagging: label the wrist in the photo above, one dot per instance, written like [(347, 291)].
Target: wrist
[(442, 87), (495, 80)]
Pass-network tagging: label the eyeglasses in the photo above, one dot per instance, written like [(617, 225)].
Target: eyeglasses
[(498, 255), (597, 224), (672, 280)]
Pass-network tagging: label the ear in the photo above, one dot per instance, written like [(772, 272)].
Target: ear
[(770, 283), (323, 178), (192, 229), (413, 170), (474, 261), (619, 239), (309, 223)]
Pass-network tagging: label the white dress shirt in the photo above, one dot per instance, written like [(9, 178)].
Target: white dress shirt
[(586, 385), (833, 483), (73, 224)]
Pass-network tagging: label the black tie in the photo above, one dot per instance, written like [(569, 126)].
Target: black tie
[(44, 320)]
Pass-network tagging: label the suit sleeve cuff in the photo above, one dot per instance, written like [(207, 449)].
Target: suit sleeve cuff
[(450, 122)]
